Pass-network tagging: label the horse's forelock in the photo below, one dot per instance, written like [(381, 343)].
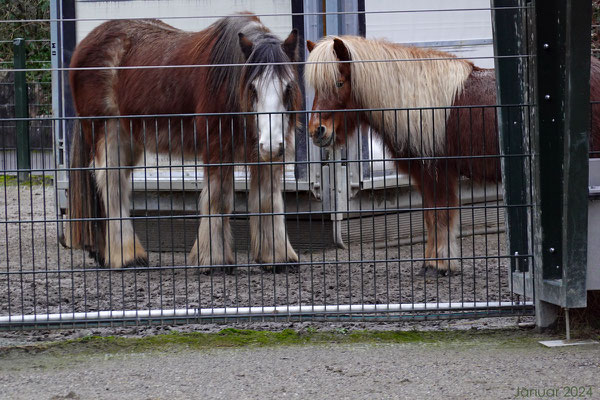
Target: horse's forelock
[(322, 71), (269, 51), (267, 62)]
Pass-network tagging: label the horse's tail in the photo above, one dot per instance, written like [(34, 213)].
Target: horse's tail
[(83, 229)]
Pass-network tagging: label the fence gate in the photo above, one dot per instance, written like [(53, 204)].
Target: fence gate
[(149, 226)]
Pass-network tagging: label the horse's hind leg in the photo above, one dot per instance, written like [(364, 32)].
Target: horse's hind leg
[(270, 242), (213, 244), (440, 201), (122, 248)]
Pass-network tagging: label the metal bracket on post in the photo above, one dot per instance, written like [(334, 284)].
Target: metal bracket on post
[(21, 111), (561, 82), (338, 196), (338, 191)]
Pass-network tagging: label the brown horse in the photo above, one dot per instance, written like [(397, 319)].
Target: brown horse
[(256, 81), (428, 93)]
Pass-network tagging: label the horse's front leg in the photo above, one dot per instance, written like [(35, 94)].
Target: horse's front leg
[(213, 244), (122, 247), (270, 242), (440, 200)]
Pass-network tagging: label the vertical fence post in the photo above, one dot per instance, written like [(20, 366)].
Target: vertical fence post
[(509, 44), (62, 45), (300, 169), (21, 110), (561, 68), (338, 192)]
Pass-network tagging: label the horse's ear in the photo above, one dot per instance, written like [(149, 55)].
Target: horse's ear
[(310, 45), (341, 51), (290, 45), (246, 45)]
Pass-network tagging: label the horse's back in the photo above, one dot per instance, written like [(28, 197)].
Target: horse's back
[(473, 131), (471, 128), (110, 46)]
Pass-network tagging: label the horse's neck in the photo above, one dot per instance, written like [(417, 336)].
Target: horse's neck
[(192, 50)]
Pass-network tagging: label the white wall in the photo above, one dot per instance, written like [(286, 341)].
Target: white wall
[(190, 15), (425, 28), (434, 26)]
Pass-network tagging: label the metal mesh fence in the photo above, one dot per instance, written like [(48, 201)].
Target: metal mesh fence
[(179, 219)]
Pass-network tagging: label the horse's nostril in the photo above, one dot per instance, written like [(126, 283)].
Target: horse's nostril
[(321, 130), (280, 152)]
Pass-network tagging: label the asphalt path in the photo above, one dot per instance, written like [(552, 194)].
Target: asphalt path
[(478, 369)]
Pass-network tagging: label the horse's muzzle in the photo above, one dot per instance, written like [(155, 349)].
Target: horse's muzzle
[(320, 137), (274, 154)]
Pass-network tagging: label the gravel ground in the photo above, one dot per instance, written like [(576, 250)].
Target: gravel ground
[(477, 368), (323, 277)]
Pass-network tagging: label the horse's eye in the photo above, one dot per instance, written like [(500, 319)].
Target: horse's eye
[(339, 84), (253, 94)]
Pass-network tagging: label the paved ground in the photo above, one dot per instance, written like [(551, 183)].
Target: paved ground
[(476, 366)]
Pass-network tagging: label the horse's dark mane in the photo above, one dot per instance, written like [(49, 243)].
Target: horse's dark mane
[(267, 50), (227, 51)]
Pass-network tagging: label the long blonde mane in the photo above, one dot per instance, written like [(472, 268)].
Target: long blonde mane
[(423, 80)]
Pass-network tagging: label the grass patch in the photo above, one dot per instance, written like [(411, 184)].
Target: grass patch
[(238, 338), (33, 180)]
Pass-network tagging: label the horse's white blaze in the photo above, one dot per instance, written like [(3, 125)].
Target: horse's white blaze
[(271, 120)]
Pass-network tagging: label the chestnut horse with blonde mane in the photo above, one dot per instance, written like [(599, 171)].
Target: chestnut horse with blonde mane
[(126, 74), (430, 92)]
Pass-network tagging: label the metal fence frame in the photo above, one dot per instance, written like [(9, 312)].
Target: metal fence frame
[(331, 171)]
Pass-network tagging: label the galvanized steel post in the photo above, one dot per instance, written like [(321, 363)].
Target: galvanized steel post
[(21, 110)]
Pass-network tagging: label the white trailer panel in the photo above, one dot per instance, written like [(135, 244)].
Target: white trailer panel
[(461, 27), (190, 15)]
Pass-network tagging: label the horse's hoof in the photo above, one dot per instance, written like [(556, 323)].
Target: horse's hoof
[(280, 268), (137, 262), (429, 271), (95, 255), (63, 241)]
